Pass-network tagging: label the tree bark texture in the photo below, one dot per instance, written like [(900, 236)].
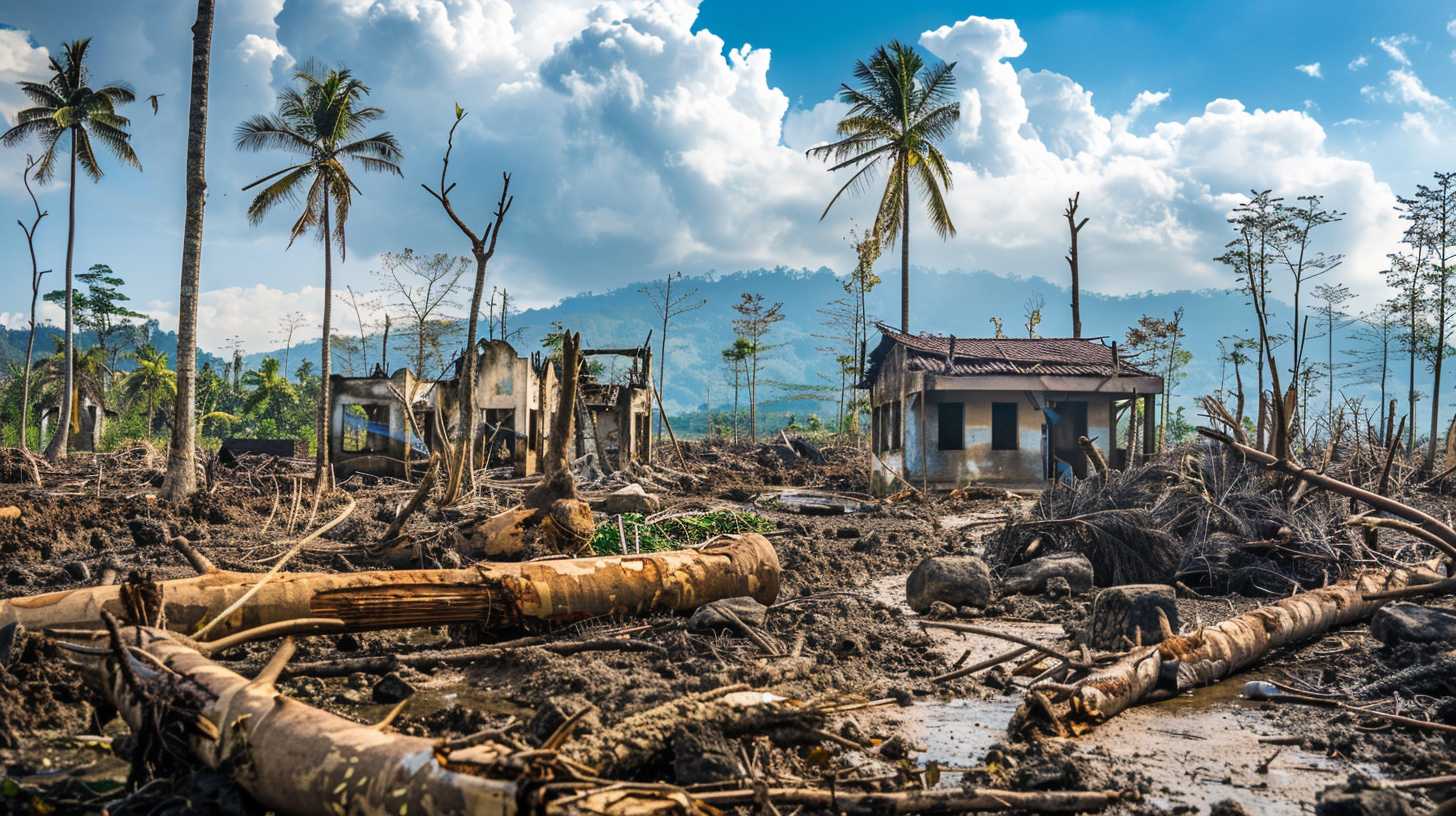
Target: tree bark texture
[(1203, 657), (291, 757), (181, 479), (56, 450), (503, 596)]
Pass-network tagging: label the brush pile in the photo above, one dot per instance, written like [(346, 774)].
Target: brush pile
[(1197, 516)]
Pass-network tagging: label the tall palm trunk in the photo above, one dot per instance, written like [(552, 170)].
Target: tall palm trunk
[(56, 450), (904, 245), (181, 479), (321, 473)]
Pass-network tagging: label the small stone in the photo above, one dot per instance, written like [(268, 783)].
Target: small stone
[(17, 577), (147, 532), (713, 617), (97, 540), (958, 580), (1058, 586), (1412, 623), (847, 532), (968, 612), (352, 696), (941, 609), (347, 642), (392, 688), (78, 571), (1227, 807), (897, 747)]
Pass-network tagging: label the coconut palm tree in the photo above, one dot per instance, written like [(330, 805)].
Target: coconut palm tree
[(271, 392), (65, 380), (181, 478), (319, 123), (67, 105), (151, 383), (901, 108)]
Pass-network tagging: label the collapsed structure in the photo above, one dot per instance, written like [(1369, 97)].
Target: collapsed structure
[(386, 425), (947, 411)]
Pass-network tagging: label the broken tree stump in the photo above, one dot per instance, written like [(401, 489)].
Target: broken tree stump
[(1133, 614), (1200, 658), (501, 596)]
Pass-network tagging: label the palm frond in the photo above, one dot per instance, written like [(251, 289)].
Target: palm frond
[(313, 206), (284, 189), (45, 167), (116, 93), (41, 94), (934, 200), (85, 154), (25, 129), (859, 179), (117, 141), (262, 132)]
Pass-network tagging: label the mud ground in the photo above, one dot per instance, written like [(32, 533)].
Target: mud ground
[(841, 623)]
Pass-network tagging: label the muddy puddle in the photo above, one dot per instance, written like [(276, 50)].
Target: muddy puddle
[(1196, 749)]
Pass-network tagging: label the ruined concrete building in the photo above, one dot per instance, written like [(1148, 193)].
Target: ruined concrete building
[(514, 398), (950, 411), (88, 422)]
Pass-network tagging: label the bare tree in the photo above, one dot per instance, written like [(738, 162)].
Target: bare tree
[(1332, 298), (1379, 330), (1435, 207), (422, 288), (482, 248), (358, 304), (1074, 227), (756, 319), (1296, 250), (287, 325), (35, 280), (668, 306)]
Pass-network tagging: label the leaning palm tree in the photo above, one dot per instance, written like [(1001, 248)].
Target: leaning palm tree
[(67, 105), (320, 123), (151, 384), (899, 112)]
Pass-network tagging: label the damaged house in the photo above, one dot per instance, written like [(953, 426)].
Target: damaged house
[(948, 411), (514, 398)]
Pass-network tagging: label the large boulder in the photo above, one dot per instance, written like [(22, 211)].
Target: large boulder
[(1412, 623), (1342, 801), (1032, 577), (629, 499), (1131, 611), (958, 580)]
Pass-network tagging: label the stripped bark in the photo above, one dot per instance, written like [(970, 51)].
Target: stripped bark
[(1203, 657), (291, 757), (499, 596)]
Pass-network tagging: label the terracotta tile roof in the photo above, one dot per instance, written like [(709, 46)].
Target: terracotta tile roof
[(1048, 356)]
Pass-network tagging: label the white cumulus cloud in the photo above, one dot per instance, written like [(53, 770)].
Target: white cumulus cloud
[(1358, 63), (1395, 46), (1311, 70)]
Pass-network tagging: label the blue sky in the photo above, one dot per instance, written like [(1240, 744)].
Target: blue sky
[(644, 136)]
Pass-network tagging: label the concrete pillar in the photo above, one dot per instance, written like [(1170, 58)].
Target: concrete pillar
[(1150, 425)]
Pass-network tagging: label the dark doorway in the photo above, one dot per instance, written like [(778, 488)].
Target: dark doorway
[(1068, 422)]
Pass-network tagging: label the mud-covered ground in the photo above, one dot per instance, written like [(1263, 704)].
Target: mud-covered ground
[(840, 632)]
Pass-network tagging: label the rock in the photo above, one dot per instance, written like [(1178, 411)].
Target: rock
[(958, 580), (940, 610), (1123, 611), (79, 572), (1032, 576), (392, 688), (1227, 807), (1339, 801), (97, 540), (1058, 586), (147, 532), (347, 642), (712, 618), (17, 577), (898, 747), (629, 499), (1412, 623), (847, 532), (701, 754)]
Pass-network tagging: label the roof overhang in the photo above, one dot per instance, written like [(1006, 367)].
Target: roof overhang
[(1031, 382)]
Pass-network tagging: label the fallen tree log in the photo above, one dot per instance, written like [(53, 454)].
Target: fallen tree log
[(1206, 656), (289, 756), (950, 800), (500, 596)]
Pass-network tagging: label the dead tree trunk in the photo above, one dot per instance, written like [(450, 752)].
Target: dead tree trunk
[(291, 757), (500, 596), (1206, 656), (552, 511)]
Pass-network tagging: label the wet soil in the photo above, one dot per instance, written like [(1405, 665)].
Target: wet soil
[(840, 632)]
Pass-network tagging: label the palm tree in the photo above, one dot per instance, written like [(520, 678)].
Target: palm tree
[(320, 124), (64, 380), (899, 112), (181, 478), (151, 383), (66, 104), (271, 391)]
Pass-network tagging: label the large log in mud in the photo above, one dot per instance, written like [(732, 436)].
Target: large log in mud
[(500, 596), (291, 757), (1206, 656)]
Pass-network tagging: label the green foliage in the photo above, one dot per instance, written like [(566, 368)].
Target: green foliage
[(102, 309), (676, 533)]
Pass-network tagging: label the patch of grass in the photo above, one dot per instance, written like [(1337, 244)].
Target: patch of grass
[(675, 533)]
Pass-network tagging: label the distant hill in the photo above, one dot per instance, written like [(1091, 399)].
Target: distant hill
[(960, 303), (12, 345)]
